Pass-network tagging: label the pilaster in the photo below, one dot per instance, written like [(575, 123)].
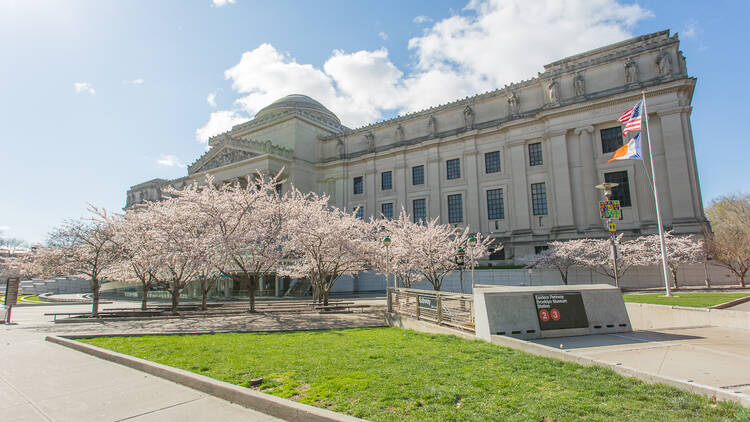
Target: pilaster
[(588, 178), (561, 180), (521, 220)]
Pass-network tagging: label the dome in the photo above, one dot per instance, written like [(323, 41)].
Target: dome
[(297, 102)]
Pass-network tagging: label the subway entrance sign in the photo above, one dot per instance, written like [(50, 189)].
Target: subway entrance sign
[(560, 310)]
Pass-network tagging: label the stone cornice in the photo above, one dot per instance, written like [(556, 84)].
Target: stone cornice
[(246, 145)]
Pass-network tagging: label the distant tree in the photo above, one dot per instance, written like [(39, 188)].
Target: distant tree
[(729, 241), (81, 247), (561, 255), (596, 255)]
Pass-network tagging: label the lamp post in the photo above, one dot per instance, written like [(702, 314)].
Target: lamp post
[(472, 242), (460, 260), (387, 243), (607, 188)]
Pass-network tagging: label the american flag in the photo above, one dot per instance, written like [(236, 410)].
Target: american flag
[(632, 119)]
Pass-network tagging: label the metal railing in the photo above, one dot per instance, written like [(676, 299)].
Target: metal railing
[(449, 309)]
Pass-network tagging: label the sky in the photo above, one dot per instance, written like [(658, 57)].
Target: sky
[(100, 95)]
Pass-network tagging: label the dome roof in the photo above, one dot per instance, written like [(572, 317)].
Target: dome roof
[(297, 102)]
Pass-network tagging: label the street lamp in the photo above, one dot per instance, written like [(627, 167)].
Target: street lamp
[(472, 242), (607, 188), (387, 243), (460, 260)]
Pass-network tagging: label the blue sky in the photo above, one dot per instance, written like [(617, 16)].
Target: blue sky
[(102, 95)]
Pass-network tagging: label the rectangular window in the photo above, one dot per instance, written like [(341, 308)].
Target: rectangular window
[(360, 213), (492, 162), (387, 210), (540, 249), (386, 180), (495, 208), (359, 185), (420, 210), (611, 139), (535, 154), (622, 191), (455, 209), (453, 169), (539, 198), (417, 175)]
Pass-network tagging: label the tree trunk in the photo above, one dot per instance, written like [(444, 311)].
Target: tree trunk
[(674, 279), (144, 300), (251, 292), (325, 297), (742, 280), (564, 276), (175, 297), (95, 302), (205, 296)]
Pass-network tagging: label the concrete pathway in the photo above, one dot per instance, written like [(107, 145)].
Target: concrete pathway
[(713, 356), (741, 307), (41, 381)]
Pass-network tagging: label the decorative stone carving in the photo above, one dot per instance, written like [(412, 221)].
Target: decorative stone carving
[(340, 147), (468, 117), (370, 141), (399, 133), (227, 156), (631, 71), (553, 91), (432, 126), (579, 85), (514, 104), (664, 63)]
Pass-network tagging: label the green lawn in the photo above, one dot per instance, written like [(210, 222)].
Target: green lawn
[(390, 374), (694, 300)]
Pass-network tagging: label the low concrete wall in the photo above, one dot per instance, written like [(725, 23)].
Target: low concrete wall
[(400, 321), (271, 405), (644, 316)]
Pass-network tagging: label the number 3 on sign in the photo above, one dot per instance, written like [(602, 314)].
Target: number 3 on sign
[(612, 227)]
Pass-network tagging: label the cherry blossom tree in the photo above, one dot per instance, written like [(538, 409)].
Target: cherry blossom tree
[(81, 247), (327, 242), (401, 259), (728, 243), (596, 255), (680, 250), (244, 225), (561, 255)]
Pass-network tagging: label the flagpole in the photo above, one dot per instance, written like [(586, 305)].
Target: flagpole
[(656, 202)]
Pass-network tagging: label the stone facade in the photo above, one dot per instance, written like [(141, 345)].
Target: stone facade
[(549, 132)]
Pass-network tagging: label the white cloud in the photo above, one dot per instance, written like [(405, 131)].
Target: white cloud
[(168, 160), (219, 3), (218, 122), (422, 19), (487, 45), (84, 87), (211, 99), (138, 81), (383, 35), (4, 228)]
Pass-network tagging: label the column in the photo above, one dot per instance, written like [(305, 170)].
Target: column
[(561, 181), (589, 178), (679, 189), (521, 219), (401, 179), (433, 178), (472, 203), (660, 168), (372, 187), (576, 180)]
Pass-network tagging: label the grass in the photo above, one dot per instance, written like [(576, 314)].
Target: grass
[(390, 374), (693, 300)]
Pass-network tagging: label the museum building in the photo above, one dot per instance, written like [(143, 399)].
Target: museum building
[(518, 163)]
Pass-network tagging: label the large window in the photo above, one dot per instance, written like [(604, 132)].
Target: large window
[(387, 210), (386, 180), (492, 162), (535, 154), (539, 198), (420, 210), (417, 175), (360, 213), (622, 191), (359, 185), (611, 139), (455, 209), (495, 207), (453, 169), (497, 255)]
